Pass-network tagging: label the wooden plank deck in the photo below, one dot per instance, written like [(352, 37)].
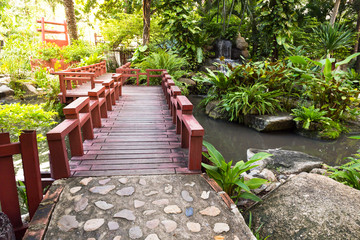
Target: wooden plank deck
[(138, 138)]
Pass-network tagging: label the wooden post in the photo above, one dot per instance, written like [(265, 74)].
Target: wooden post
[(195, 153), (43, 29), (75, 139), (59, 162), (31, 166), (8, 190)]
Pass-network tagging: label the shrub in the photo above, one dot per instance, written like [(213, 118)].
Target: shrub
[(48, 51), (255, 99), (306, 116), (164, 60), (349, 173), (229, 177), (17, 117)]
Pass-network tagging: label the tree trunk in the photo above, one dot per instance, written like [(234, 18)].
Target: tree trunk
[(146, 20), (70, 18), (335, 12)]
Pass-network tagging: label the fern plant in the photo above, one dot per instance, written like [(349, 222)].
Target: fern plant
[(349, 173), (306, 116), (255, 99), (165, 60)]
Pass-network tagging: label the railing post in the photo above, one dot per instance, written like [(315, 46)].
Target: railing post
[(195, 152), (75, 139), (31, 166), (8, 191), (59, 162)]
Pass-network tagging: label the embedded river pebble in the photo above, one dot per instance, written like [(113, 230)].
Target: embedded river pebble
[(143, 207)]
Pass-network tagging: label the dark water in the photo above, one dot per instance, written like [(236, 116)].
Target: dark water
[(233, 139)]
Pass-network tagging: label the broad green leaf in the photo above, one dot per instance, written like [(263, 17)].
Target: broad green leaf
[(347, 60), (242, 185), (215, 155), (298, 59), (255, 182), (251, 196)]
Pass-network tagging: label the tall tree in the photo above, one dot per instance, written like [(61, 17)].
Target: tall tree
[(146, 20), (70, 18)]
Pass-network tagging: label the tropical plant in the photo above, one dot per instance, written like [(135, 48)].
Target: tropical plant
[(348, 173), (230, 177), (163, 59), (220, 81), (309, 115), (180, 22), (255, 99), (332, 37), (139, 54), (327, 88), (77, 51)]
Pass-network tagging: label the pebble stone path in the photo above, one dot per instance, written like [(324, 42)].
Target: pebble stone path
[(143, 207)]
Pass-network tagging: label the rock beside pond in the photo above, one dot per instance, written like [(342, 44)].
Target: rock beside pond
[(213, 111), (270, 123), (309, 206), (188, 81), (285, 161), (6, 229)]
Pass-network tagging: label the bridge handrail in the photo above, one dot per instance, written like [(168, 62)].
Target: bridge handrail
[(27, 147), (187, 126)]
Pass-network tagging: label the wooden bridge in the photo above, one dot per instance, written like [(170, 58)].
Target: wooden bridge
[(112, 130)]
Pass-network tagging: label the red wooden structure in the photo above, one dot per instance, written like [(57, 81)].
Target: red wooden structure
[(27, 147), (44, 31)]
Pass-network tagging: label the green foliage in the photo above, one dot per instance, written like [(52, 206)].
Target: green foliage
[(306, 116), (14, 57), (220, 82), (23, 201), (17, 117), (349, 173), (77, 51), (328, 89), (139, 54), (48, 51), (229, 177), (180, 23), (332, 37), (94, 58), (122, 28), (255, 99), (165, 60)]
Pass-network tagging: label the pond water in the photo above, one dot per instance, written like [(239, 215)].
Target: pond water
[(233, 140)]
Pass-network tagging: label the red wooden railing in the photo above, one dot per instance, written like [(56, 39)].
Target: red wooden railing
[(126, 72), (27, 147), (44, 31), (187, 126)]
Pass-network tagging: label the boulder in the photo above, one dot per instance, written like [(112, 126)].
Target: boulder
[(285, 161), (5, 91), (245, 53), (309, 206), (212, 110), (188, 81), (270, 123), (6, 229), (241, 43), (235, 53), (210, 67)]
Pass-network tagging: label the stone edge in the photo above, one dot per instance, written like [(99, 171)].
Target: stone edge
[(40, 221)]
